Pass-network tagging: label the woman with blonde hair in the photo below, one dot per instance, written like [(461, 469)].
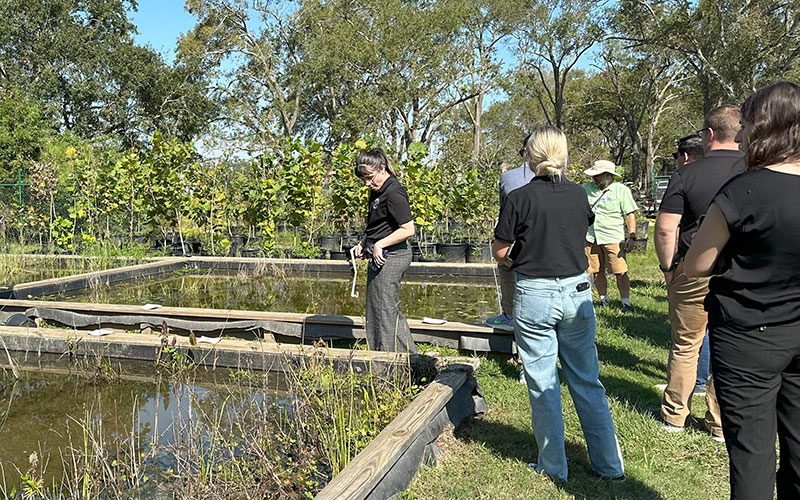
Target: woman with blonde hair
[(541, 235), (750, 241)]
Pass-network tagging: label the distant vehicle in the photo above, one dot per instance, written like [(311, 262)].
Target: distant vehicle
[(660, 183)]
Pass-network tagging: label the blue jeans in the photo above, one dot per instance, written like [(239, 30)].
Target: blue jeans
[(703, 364), (554, 320)]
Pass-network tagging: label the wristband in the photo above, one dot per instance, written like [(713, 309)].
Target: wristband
[(632, 236), (666, 270)]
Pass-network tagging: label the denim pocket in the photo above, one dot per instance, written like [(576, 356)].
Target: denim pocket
[(582, 301), (534, 306)]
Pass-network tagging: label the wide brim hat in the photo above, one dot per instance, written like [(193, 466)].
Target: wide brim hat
[(603, 167)]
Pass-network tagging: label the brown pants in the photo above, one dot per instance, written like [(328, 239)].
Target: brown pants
[(507, 284), (689, 320)]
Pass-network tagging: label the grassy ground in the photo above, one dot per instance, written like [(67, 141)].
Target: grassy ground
[(486, 456)]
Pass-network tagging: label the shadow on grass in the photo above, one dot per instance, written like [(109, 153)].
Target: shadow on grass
[(625, 359), (645, 324), (644, 285), (643, 398), (511, 442)]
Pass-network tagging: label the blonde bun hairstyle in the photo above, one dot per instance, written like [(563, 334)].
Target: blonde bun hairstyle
[(546, 151)]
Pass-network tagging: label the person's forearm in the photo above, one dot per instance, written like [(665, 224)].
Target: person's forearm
[(397, 236), (500, 251), (665, 244), (630, 220)]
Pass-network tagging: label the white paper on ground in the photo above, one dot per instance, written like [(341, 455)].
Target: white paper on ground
[(150, 307), (208, 340), (433, 321), (101, 331)]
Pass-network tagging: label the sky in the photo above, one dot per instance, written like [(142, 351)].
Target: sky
[(160, 23)]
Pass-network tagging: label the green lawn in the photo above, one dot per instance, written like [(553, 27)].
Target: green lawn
[(486, 456)]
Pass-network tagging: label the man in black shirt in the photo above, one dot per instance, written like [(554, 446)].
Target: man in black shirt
[(690, 191)]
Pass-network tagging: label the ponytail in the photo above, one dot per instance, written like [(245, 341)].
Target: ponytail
[(546, 151), (374, 159)]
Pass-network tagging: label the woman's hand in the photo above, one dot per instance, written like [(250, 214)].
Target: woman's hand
[(377, 254), (359, 251)]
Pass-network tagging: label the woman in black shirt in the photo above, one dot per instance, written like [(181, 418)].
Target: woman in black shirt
[(546, 220), (389, 225), (750, 240)]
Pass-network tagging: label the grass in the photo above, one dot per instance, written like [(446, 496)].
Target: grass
[(486, 456)]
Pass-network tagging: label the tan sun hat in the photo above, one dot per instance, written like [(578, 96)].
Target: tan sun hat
[(603, 167)]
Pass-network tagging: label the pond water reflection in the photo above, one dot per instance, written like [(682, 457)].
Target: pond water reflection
[(115, 418), (462, 299)]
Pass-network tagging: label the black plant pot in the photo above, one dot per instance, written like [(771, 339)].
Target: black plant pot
[(479, 253), (452, 252), (338, 255), (249, 252), (416, 252), (176, 250), (238, 240), (328, 242)]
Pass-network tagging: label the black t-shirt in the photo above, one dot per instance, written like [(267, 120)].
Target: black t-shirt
[(547, 221), (693, 186), (760, 285), (388, 210)]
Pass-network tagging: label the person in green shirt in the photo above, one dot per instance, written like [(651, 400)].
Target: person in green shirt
[(606, 241)]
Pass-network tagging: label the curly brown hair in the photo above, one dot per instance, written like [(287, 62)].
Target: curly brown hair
[(774, 137)]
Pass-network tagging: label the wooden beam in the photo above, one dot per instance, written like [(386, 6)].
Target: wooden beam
[(369, 467), (230, 353), (85, 280), (236, 314), (321, 265)]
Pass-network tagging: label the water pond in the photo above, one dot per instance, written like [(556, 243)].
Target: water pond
[(117, 433), (455, 299), (24, 268)]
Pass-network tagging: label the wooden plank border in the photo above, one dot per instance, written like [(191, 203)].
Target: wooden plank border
[(228, 353), (455, 335), (320, 265), (389, 462), (86, 280)]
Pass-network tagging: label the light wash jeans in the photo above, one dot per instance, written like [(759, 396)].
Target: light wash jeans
[(555, 320), (703, 364)]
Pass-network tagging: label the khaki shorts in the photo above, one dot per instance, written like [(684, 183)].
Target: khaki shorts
[(609, 256)]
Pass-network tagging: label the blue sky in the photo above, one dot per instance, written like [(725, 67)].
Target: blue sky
[(160, 22)]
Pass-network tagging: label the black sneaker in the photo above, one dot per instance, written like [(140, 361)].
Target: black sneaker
[(628, 308)]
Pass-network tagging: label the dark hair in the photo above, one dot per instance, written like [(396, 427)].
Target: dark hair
[(724, 120), (774, 115), (374, 159), (524, 143), (691, 145)]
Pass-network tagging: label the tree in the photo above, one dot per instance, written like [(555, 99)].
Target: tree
[(23, 132), (254, 61), (636, 89), (79, 59), (486, 24), (554, 35), (732, 47)]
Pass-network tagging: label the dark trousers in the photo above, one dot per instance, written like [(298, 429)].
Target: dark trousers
[(757, 377), (387, 328)]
